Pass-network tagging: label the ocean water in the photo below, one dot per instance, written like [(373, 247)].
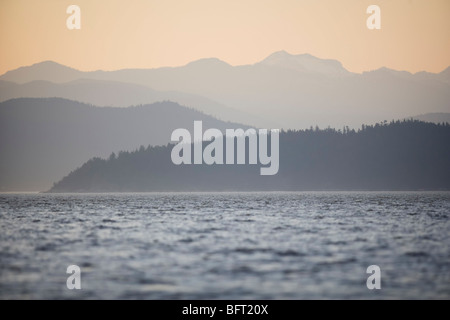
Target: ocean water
[(305, 245)]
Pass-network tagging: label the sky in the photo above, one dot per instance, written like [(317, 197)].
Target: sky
[(414, 34)]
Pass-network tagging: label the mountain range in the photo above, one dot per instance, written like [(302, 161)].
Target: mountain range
[(281, 91), (53, 118), (117, 94)]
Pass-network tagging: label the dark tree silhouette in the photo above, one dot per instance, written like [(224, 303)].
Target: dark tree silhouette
[(401, 155)]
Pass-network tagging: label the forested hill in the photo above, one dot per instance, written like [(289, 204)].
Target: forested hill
[(408, 155)]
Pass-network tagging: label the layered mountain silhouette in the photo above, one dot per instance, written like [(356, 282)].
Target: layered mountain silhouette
[(408, 155), (46, 135), (117, 94), (42, 139), (283, 91)]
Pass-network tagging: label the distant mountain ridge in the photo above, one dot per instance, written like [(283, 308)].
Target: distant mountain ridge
[(41, 139), (116, 94), (283, 90), (305, 63), (45, 70)]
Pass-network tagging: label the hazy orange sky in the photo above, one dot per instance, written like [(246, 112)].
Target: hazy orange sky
[(414, 35)]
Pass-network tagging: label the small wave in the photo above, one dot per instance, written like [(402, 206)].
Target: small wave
[(46, 247), (290, 253), (416, 254), (251, 250)]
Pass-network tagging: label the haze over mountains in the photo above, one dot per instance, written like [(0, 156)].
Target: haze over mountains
[(282, 91), (42, 139), (116, 94)]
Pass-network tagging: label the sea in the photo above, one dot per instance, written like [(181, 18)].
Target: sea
[(276, 245)]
